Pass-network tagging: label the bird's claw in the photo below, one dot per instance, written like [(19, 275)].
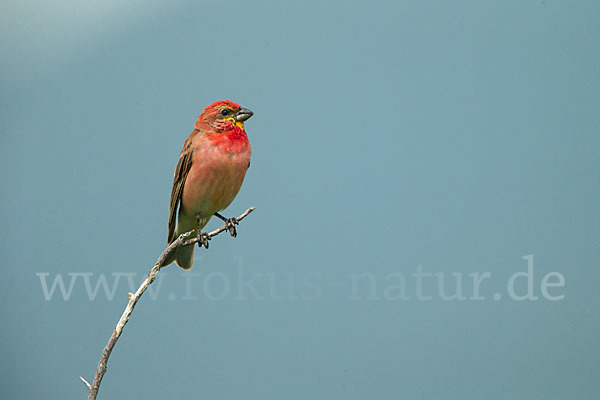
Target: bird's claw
[(231, 223), (203, 239)]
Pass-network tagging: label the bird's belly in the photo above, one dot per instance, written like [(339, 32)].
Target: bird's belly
[(213, 182)]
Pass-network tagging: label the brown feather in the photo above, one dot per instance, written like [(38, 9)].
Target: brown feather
[(181, 172)]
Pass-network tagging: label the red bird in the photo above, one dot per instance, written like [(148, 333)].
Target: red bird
[(209, 174)]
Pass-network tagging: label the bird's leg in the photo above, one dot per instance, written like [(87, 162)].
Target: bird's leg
[(203, 237), (231, 223)]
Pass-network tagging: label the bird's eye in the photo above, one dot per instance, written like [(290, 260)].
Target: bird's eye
[(225, 112)]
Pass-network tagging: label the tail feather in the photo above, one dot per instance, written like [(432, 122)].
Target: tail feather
[(184, 256)]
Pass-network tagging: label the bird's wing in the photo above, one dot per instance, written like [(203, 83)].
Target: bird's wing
[(181, 172)]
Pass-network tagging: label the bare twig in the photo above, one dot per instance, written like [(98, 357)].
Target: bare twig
[(182, 240), (86, 383)]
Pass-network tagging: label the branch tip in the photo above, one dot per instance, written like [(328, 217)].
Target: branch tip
[(86, 383)]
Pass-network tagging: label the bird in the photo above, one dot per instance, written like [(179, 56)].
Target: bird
[(209, 174)]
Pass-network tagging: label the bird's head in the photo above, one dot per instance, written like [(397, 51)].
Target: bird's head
[(222, 116)]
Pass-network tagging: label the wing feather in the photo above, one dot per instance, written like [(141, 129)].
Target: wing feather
[(181, 172)]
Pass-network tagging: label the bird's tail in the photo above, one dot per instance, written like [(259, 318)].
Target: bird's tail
[(183, 256)]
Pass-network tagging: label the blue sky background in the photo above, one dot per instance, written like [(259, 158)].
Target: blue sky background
[(457, 136)]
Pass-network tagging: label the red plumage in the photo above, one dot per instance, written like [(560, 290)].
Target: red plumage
[(210, 172)]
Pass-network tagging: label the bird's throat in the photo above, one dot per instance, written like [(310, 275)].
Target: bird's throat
[(235, 122)]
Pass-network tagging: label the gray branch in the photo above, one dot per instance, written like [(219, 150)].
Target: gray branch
[(182, 240)]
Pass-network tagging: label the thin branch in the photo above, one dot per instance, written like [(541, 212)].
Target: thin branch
[(86, 383), (182, 240)]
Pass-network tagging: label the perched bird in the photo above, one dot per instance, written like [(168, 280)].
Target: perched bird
[(208, 176)]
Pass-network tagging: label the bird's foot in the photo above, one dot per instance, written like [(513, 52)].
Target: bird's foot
[(231, 223), (203, 239)]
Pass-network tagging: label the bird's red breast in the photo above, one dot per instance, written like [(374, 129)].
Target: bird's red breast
[(219, 164)]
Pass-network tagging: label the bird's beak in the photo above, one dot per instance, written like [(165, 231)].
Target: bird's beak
[(243, 115)]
